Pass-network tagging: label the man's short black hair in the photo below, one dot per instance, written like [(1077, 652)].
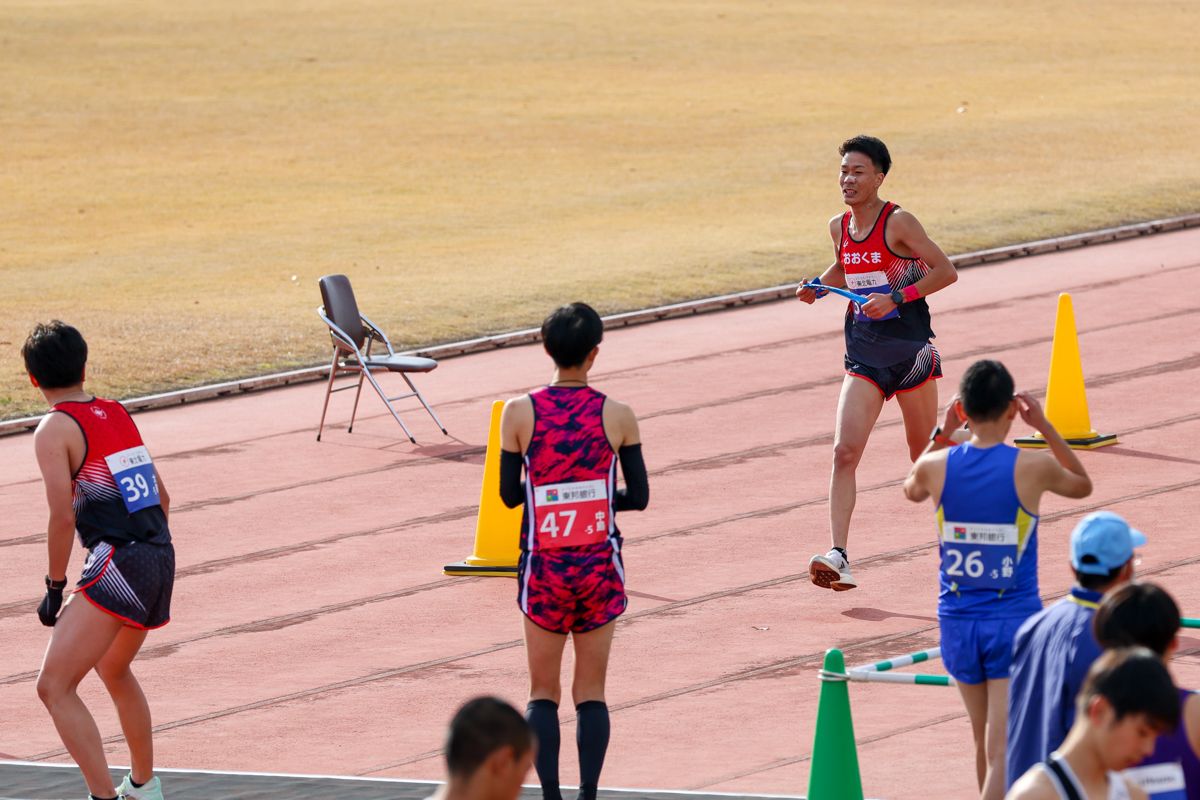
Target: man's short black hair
[(55, 354), (1137, 614), (870, 147), (480, 728), (1097, 583), (1134, 681), (986, 390), (571, 332)]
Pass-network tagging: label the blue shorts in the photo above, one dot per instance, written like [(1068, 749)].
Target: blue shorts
[(978, 650)]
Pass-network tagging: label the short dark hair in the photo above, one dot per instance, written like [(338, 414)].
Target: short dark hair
[(55, 354), (480, 728), (571, 332), (1137, 614), (870, 147), (1134, 681), (986, 390), (1097, 583)]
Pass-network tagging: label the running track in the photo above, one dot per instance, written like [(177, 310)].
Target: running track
[(315, 633)]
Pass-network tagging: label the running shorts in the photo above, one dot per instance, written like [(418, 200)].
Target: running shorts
[(978, 650), (909, 374), (132, 581), (572, 589)]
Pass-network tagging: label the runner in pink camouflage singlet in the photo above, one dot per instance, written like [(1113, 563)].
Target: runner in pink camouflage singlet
[(567, 438)]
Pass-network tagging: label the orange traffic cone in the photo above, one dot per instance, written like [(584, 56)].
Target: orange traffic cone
[(497, 527), (1066, 397)]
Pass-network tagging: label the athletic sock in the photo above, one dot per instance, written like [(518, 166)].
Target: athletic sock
[(591, 736), (543, 718), (842, 550), (134, 783), (98, 797)]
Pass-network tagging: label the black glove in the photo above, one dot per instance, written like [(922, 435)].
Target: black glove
[(48, 609)]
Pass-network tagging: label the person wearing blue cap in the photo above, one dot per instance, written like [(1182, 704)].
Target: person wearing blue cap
[(1054, 649), (987, 494)]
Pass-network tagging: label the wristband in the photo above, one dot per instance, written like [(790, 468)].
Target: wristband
[(940, 438), (911, 293), (56, 585)]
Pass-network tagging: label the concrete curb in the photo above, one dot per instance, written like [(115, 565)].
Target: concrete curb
[(640, 317)]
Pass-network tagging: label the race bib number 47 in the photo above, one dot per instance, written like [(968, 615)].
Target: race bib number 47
[(979, 555), (134, 473), (571, 514)]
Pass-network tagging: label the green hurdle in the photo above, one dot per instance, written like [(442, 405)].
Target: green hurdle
[(1191, 622), (880, 671)]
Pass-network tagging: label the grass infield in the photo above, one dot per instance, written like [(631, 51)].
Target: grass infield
[(178, 175)]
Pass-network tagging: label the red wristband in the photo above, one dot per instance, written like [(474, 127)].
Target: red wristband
[(911, 293)]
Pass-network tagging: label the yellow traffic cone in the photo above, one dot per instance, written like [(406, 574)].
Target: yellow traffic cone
[(497, 528), (1066, 397)]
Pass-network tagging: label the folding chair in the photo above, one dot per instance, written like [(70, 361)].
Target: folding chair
[(353, 335)]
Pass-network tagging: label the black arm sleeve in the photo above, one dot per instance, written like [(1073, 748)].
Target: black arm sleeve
[(512, 488), (636, 494)]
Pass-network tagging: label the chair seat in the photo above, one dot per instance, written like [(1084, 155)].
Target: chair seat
[(401, 363)]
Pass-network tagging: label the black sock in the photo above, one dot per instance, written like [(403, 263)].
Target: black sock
[(591, 735), (543, 718), (842, 550), (136, 785), (98, 797)]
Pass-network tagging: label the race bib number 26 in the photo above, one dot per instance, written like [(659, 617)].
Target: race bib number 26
[(134, 473), (571, 514), (979, 555)]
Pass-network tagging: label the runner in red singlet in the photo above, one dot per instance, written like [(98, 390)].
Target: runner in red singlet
[(884, 254), (102, 484), (571, 577)]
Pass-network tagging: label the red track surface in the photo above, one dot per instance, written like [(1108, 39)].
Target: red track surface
[(314, 631)]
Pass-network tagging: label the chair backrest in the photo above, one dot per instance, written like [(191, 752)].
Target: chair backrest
[(341, 307)]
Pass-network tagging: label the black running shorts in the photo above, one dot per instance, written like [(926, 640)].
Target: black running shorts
[(909, 374), (131, 581)]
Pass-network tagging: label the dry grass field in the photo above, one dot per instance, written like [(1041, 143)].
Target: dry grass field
[(177, 175)]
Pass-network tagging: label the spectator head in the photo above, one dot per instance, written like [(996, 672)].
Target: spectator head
[(489, 749), (572, 333), (1126, 702), (1102, 546), (55, 355), (986, 392), (1137, 615)]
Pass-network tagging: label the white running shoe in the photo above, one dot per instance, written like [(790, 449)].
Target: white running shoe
[(151, 790), (831, 571)]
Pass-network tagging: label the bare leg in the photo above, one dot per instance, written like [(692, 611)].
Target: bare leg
[(975, 698), (81, 637), (997, 737), (544, 651), (920, 411), (591, 663), (858, 409), (131, 704)]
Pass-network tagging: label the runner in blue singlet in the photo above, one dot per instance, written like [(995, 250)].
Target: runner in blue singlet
[(987, 494)]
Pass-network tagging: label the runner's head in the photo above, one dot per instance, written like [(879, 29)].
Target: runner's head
[(865, 163), (1127, 700), (55, 355), (571, 335), (1102, 546), (986, 393), (489, 749), (1138, 615)]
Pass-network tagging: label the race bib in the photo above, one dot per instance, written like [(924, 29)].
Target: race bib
[(134, 473), (1160, 781), (868, 283), (979, 555), (571, 514)]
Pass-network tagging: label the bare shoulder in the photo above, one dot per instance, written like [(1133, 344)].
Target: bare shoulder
[(55, 430), (517, 411), (1033, 785), (835, 226), (1035, 462), (905, 220), (621, 423)]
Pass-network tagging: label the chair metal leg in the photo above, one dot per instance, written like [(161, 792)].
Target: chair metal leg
[(388, 403), (421, 397), (357, 394), (328, 394)]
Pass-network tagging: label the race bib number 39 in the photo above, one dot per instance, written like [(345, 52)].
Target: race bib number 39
[(134, 473), (979, 555), (571, 514), (868, 283)]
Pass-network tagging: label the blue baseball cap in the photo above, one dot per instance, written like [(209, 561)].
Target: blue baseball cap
[(1103, 541)]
